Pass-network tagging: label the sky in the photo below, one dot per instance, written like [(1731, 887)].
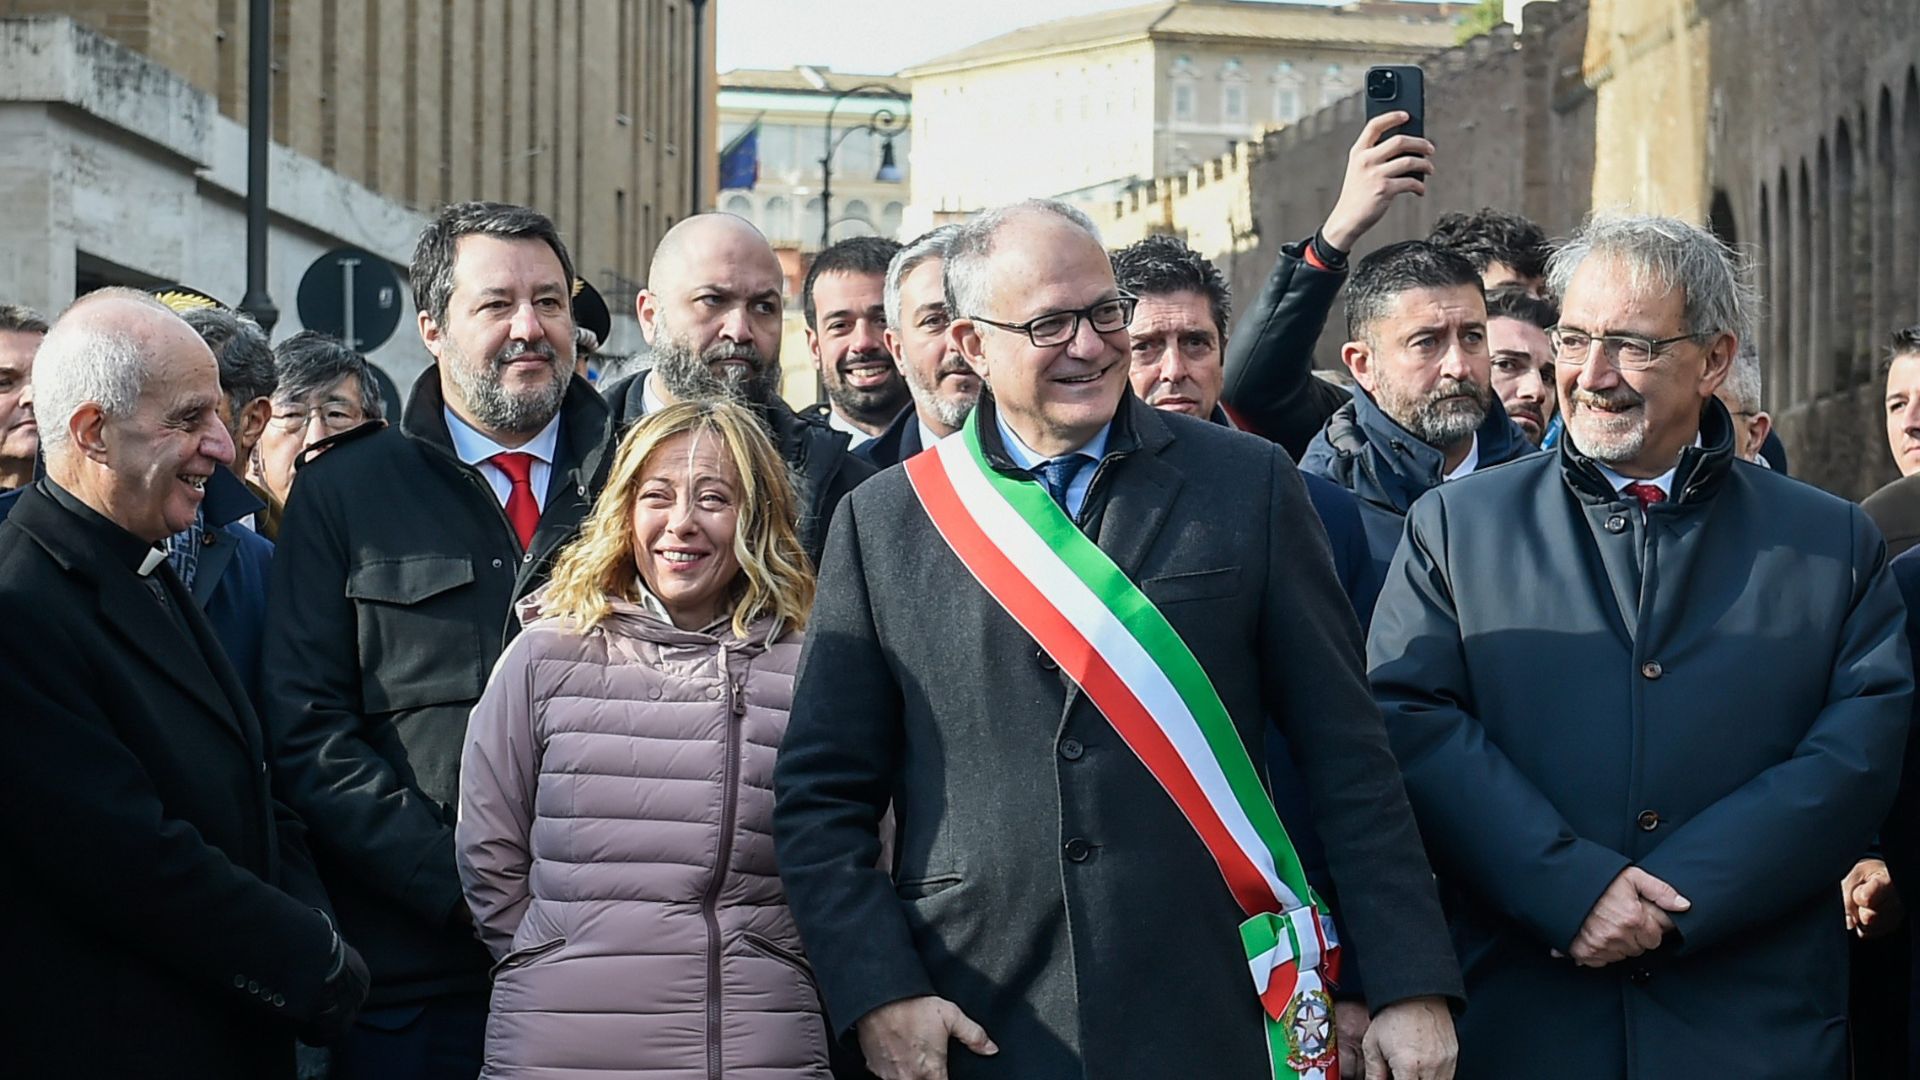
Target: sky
[(875, 36)]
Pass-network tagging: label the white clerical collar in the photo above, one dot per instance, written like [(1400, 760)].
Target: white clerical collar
[(473, 447), (1468, 463), (151, 561), (1664, 481), (1026, 457)]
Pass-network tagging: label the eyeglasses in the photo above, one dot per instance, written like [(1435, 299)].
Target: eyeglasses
[(333, 415), (1628, 352), (1060, 327)]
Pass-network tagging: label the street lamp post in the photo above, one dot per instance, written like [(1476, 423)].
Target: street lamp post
[(257, 302), (884, 122)]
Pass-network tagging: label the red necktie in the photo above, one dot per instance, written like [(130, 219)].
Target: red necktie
[(523, 513), (1648, 494)]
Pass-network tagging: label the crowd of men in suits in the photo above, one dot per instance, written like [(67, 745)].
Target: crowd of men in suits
[(1587, 722)]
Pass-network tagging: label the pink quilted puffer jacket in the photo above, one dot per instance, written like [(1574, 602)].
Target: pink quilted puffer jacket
[(615, 845)]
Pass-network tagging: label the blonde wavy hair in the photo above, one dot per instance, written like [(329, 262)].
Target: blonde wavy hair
[(776, 577)]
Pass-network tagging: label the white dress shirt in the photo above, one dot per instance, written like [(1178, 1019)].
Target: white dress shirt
[(1027, 458), (474, 448), (840, 423), (1664, 481), (928, 440)]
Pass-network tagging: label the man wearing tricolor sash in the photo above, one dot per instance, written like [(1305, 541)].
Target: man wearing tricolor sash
[(1050, 645)]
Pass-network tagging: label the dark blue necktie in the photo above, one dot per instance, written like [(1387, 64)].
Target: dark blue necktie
[(1058, 473)]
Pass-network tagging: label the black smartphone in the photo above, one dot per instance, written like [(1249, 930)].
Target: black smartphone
[(1398, 88)]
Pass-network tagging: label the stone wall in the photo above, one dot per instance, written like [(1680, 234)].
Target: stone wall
[(1792, 127), (583, 110)]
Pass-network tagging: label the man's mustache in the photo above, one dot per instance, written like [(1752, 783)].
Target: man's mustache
[(517, 349), (1618, 399)]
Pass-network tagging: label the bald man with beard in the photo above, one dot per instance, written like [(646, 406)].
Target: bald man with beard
[(711, 313)]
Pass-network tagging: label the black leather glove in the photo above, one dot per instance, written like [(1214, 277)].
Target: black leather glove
[(341, 993)]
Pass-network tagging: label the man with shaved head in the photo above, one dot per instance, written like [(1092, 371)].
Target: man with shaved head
[(711, 315), (401, 555), (1049, 646), (134, 796)]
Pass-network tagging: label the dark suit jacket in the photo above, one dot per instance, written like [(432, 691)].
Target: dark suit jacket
[(1042, 879), (161, 918), (393, 589), (899, 442), (1717, 691), (1895, 508)]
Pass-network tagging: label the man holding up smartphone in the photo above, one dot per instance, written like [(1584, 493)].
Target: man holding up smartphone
[(1269, 379)]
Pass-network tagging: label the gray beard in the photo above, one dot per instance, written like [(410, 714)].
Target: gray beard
[(949, 412), (494, 408), (1442, 418), (688, 376)]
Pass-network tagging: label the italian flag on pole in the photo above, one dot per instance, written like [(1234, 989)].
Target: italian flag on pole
[(1104, 633)]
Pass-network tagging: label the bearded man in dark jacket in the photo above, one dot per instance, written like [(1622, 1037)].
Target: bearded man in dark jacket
[(1642, 867), (400, 558), (1424, 411), (711, 313)]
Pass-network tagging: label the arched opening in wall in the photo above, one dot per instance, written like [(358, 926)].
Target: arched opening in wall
[(1885, 240), (1910, 201), (1806, 364), (1829, 369), (1770, 369), (1780, 343), (1849, 330), (1720, 219)]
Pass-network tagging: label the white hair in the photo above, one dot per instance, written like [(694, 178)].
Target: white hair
[(972, 243), (79, 362), (1743, 382), (931, 245), (1658, 253)]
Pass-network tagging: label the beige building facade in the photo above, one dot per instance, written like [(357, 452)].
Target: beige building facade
[(585, 110), (792, 107), (1092, 106)]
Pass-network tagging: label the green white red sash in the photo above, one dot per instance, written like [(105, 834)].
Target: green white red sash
[(1104, 633)]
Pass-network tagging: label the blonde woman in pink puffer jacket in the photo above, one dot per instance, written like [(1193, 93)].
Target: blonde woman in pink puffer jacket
[(614, 839)]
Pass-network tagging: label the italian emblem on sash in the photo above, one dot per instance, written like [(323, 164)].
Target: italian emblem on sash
[(1127, 658)]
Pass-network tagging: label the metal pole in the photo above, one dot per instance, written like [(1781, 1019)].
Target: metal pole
[(699, 87), (259, 131)]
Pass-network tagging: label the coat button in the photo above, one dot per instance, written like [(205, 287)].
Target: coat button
[(1046, 661), (1617, 523), (252, 987), (279, 1001), (1078, 850), (1652, 669), (713, 692), (1648, 820), (239, 982), (1071, 749), (497, 564), (1639, 976), (653, 693), (528, 557)]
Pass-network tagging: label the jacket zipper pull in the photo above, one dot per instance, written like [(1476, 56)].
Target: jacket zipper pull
[(737, 693)]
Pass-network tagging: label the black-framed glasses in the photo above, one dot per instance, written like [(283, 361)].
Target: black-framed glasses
[(1629, 352), (1059, 327)]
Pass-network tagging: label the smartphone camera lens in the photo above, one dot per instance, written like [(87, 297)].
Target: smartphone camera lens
[(1382, 85)]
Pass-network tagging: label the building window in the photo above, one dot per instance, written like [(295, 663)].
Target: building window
[(890, 218), (857, 209), (778, 222), (1334, 85), (1288, 85), (740, 206), (1233, 104), (1183, 101)]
